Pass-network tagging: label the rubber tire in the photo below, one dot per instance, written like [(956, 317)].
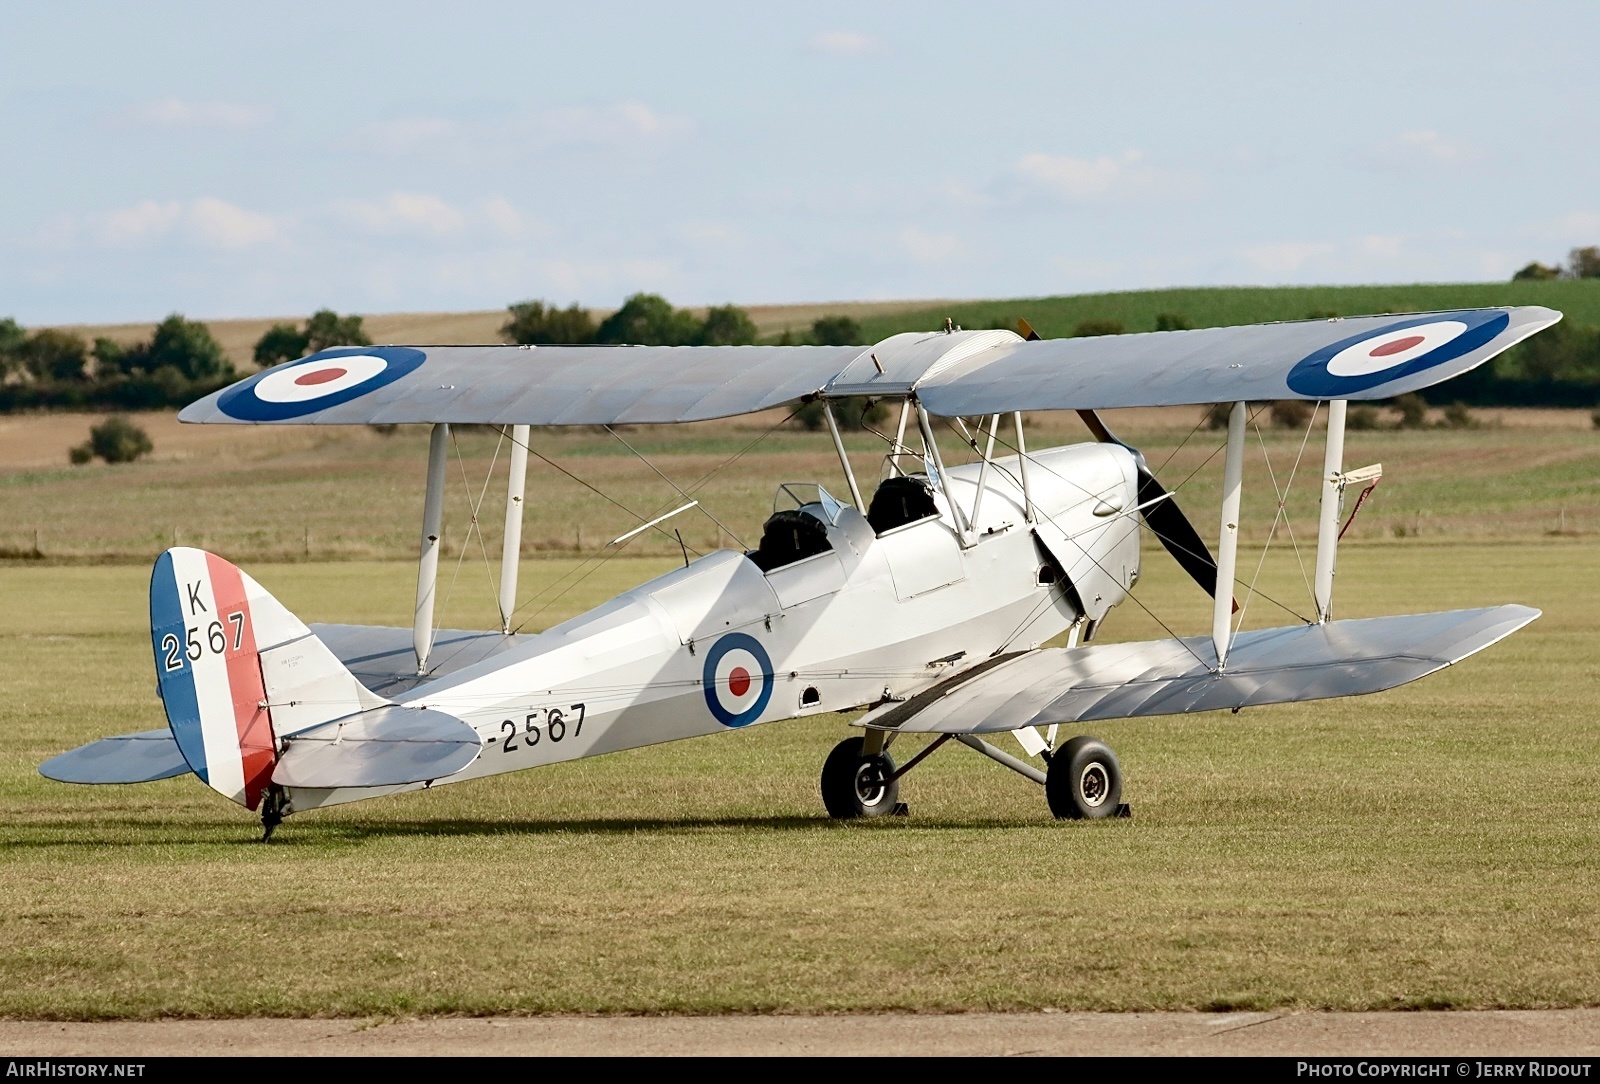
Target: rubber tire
[(1063, 787), (840, 794)]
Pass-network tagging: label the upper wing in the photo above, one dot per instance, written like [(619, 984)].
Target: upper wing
[(952, 373), (1364, 357), (1172, 677), (517, 385)]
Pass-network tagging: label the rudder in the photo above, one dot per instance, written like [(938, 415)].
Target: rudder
[(233, 666)]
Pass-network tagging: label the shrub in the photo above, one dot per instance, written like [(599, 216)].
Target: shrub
[(649, 320), (1216, 415), (116, 440), (1413, 410), (1363, 417), (80, 454), (56, 355), (533, 323), (280, 343), (1536, 272), (1457, 416), (183, 345), (326, 328), (1594, 419), (1173, 321), (727, 325), (1291, 413), (838, 331), (1098, 327)]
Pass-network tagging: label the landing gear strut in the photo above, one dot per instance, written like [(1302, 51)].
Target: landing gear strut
[(274, 807), (859, 784)]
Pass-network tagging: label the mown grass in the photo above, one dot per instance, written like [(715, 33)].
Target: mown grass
[(1435, 846), (1220, 306)]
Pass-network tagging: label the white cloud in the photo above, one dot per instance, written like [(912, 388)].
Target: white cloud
[(930, 247), (128, 226), (1087, 179), (628, 125), (502, 217), (1421, 149), (219, 224), (843, 43), (177, 113), (1284, 257), (403, 213)]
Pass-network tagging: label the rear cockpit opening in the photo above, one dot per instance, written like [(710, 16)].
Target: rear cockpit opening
[(798, 527)]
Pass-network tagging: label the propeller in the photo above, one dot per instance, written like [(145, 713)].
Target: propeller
[(1164, 518)]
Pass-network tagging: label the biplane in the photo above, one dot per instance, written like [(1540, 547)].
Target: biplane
[(927, 604)]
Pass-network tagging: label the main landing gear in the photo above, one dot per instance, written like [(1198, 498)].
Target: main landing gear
[(1082, 780)]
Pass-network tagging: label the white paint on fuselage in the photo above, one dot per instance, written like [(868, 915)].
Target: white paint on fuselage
[(835, 624)]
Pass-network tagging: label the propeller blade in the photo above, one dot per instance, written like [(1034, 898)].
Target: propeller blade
[(1026, 330), (1178, 535), (1165, 518)]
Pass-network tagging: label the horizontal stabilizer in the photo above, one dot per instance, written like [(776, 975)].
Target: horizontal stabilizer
[(127, 758), (385, 747), (1171, 677), (384, 659)]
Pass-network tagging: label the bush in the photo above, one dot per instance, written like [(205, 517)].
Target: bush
[(1363, 417), (727, 325), (280, 343), (1098, 327), (1584, 263), (1536, 272), (1172, 321), (1216, 415), (56, 355), (649, 320), (116, 440), (837, 331), (1413, 410), (184, 345), (533, 323), (326, 328), (1594, 419), (1457, 416), (1291, 413)]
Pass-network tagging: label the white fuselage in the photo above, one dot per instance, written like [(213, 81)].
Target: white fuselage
[(720, 645)]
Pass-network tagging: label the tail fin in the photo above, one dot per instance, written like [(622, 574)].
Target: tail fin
[(237, 672)]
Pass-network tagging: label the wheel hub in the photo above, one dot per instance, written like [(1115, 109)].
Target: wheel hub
[(1094, 784), (869, 782)]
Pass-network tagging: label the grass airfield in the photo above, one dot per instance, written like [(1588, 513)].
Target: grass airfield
[(1430, 847), (1436, 846)]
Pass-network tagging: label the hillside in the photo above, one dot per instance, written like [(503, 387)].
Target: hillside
[(1224, 305)]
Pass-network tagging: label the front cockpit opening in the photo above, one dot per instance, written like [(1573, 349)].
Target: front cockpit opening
[(900, 500)]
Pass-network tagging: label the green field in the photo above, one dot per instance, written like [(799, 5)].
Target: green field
[(1220, 306), (1436, 846)]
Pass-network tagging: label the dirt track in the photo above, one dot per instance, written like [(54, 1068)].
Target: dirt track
[(1572, 1032)]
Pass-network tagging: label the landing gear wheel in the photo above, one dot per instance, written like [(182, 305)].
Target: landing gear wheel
[(858, 786), (1084, 781)]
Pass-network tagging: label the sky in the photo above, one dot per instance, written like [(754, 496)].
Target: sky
[(229, 159)]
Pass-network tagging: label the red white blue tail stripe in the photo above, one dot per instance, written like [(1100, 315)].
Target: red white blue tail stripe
[(204, 634)]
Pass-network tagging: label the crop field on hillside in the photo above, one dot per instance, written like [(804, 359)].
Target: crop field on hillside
[(1578, 299)]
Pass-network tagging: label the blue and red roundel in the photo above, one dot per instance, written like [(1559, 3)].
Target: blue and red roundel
[(325, 379), (1400, 349), (737, 679)]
